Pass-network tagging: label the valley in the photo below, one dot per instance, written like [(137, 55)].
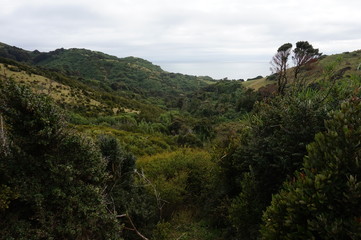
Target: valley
[(135, 152)]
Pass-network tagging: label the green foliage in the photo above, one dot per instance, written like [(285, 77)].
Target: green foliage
[(136, 143), (222, 100), (273, 147), (162, 231), (130, 76), (268, 148), (281, 129), (249, 147), (272, 77), (6, 196), (127, 196), (58, 176), (120, 164), (14, 53), (323, 200), (304, 53), (183, 226), (245, 209), (75, 96), (182, 178), (255, 78), (285, 47)]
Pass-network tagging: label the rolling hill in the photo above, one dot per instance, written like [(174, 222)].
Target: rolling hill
[(134, 99), (131, 77)]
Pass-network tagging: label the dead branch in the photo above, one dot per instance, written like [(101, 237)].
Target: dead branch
[(160, 201), (180, 236), (133, 226), (3, 138)]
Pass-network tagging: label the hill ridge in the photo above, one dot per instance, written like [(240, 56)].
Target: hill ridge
[(130, 77)]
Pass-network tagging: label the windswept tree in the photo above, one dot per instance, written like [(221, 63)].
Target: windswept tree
[(304, 54), (280, 64)]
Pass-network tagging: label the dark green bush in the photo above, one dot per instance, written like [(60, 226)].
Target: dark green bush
[(323, 200), (58, 176)]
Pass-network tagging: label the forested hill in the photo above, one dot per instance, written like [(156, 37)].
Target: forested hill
[(156, 112), (130, 76)]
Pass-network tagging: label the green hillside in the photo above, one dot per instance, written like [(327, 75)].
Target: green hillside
[(72, 93), (98, 147), (350, 61), (185, 115), (130, 76)]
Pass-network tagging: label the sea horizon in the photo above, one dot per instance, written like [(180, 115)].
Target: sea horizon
[(219, 70)]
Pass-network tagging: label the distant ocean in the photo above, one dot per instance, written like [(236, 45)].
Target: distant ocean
[(230, 70)]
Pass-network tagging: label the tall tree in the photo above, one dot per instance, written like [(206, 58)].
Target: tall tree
[(304, 54), (280, 64)]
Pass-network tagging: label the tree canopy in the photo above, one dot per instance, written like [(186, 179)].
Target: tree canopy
[(304, 54)]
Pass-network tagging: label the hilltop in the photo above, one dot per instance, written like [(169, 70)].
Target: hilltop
[(131, 77)]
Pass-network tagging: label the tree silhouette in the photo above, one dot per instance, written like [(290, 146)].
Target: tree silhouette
[(303, 54), (280, 65)]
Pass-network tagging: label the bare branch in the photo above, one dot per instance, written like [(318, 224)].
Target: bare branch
[(180, 236), (4, 147), (133, 226), (280, 64), (160, 201)]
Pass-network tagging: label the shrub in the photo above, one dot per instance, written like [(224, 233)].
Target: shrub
[(57, 176), (182, 177), (323, 200), (273, 147)]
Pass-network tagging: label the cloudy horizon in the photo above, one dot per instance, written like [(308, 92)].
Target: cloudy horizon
[(184, 34)]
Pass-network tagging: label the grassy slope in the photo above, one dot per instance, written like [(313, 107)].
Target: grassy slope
[(59, 92), (67, 91), (77, 99), (347, 59), (256, 84)]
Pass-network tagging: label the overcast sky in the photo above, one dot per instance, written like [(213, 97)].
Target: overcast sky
[(190, 32)]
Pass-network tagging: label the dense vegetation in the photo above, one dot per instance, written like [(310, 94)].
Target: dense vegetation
[(96, 147), (131, 77)]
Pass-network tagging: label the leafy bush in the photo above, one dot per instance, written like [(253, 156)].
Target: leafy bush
[(273, 147), (228, 99), (127, 196), (135, 143), (182, 178), (57, 176), (323, 200), (255, 78)]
